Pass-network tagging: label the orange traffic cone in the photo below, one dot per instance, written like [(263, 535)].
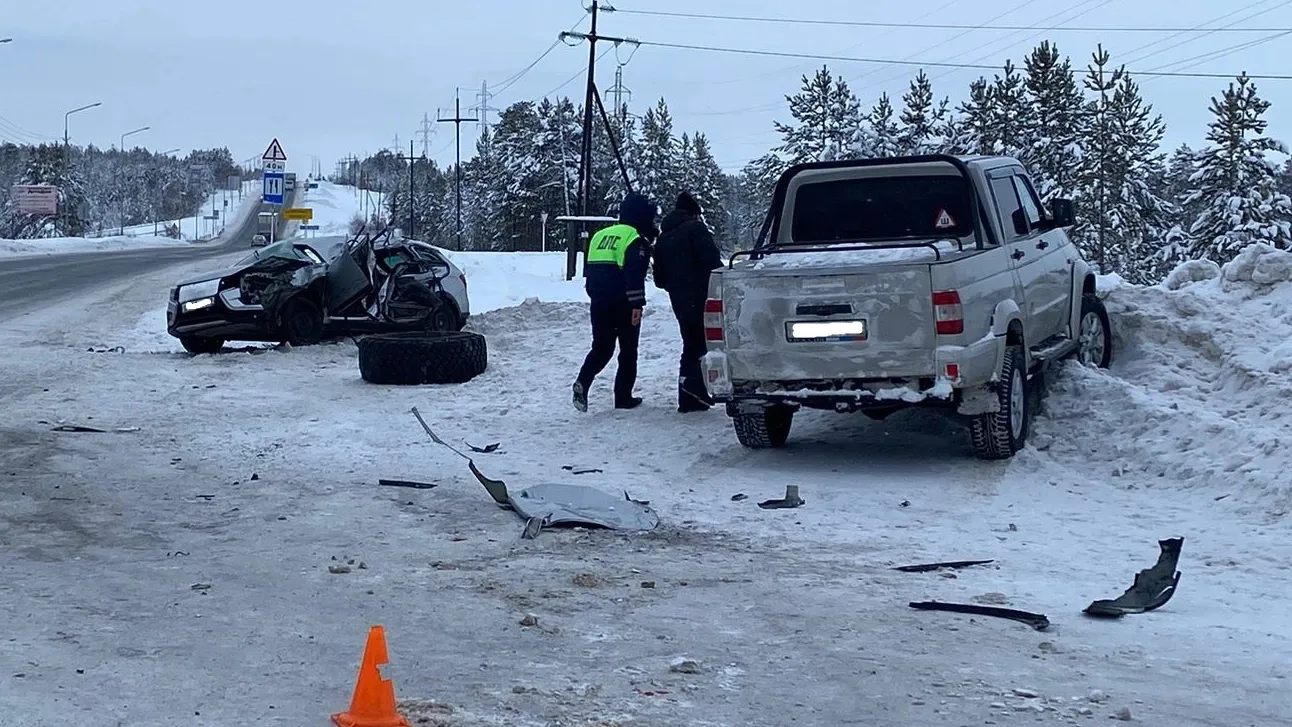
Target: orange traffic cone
[(373, 704)]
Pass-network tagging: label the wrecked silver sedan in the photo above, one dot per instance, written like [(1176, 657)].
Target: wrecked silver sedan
[(290, 292)]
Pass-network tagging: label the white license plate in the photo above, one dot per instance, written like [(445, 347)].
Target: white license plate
[(826, 330)]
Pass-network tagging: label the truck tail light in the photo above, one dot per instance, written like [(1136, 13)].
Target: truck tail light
[(713, 320), (948, 313)]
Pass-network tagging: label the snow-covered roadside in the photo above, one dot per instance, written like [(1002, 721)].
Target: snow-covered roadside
[(334, 206), (136, 238), (155, 563)]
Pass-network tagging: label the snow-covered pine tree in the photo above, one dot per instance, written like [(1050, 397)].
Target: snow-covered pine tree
[(1008, 113), (47, 164), (1101, 164), (658, 172), (1053, 122), (825, 113), (1141, 221), (974, 132), (1235, 182), (884, 136), (684, 166), (708, 185), (919, 131)]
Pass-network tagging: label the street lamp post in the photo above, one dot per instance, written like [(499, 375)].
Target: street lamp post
[(121, 205), (68, 115)]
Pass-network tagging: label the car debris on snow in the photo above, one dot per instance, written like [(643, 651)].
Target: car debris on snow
[(487, 449), (550, 504), (791, 500), (928, 567), (406, 483), (1035, 620), (1152, 587)]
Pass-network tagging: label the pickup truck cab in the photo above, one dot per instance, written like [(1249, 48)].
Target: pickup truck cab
[(881, 284)]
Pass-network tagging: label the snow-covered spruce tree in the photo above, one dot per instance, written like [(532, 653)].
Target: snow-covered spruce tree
[(47, 164), (825, 112), (1235, 183), (1100, 163), (1053, 122), (608, 181)]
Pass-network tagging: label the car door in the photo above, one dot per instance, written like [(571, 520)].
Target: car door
[(1018, 247), (1050, 298)]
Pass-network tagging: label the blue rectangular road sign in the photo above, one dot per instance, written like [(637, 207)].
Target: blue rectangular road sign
[(309, 227), (272, 187)]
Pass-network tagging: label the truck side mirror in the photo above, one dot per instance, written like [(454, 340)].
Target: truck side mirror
[(1020, 222), (1061, 214)]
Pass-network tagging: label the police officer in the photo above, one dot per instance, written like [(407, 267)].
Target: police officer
[(615, 267), (685, 254)]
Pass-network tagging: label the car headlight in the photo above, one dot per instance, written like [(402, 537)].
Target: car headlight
[(197, 291)]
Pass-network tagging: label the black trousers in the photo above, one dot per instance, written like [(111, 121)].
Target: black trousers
[(613, 323), (689, 311)]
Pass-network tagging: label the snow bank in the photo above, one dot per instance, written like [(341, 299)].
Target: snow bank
[(1199, 395), (64, 245)]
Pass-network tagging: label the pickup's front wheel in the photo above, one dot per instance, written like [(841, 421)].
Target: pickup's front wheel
[(1000, 435), (1094, 337), (763, 429)]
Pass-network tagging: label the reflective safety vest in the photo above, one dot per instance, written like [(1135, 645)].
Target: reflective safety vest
[(611, 244)]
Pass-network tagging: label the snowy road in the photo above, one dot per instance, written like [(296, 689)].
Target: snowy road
[(179, 574)]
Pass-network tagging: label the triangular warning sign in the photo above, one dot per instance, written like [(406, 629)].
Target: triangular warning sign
[(944, 221), (274, 153)]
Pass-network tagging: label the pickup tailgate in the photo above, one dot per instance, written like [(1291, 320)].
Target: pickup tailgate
[(794, 325)]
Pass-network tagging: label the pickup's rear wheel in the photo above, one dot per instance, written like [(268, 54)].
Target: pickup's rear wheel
[(1095, 336), (1000, 435), (763, 429)]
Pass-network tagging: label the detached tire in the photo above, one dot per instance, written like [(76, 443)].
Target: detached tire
[(768, 429), (1000, 435), (412, 359)]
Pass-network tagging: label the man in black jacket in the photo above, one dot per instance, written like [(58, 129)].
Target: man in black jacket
[(615, 266), (684, 256)]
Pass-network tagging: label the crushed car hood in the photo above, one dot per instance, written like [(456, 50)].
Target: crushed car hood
[(285, 250)]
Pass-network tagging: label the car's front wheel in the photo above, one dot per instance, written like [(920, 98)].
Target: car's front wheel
[(193, 344), (301, 322), (1095, 335)]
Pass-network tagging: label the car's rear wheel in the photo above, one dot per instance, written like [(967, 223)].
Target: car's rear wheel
[(194, 344), (1001, 434), (444, 318), (301, 322), (767, 428)]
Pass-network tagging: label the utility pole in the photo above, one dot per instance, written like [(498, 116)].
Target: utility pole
[(412, 164), (426, 130), (395, 147), (457, 172), (483, 108), (590, 98)]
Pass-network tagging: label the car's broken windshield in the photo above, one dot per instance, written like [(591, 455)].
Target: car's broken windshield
[(875, 209)]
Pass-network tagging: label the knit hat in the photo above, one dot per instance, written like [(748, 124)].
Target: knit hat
[(687, 203)]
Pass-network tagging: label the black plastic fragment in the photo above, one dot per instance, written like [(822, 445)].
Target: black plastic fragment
[(1152, 588), (487, 449), (927, 567), (1035, 620), (406, 483), (77, 428)]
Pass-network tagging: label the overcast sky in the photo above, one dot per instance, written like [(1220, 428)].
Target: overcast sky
[(335, 77)]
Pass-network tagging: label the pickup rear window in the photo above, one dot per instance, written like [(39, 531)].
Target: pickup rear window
[(875, 209)]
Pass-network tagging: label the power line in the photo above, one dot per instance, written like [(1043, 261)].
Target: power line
[(1222, 28), (582, 72), (924, 64), (931, 26), (510, 81)]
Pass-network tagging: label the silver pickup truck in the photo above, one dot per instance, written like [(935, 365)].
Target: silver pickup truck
[(881, 284)]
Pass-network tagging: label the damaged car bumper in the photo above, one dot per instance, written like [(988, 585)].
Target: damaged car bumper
[(205, 310)]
